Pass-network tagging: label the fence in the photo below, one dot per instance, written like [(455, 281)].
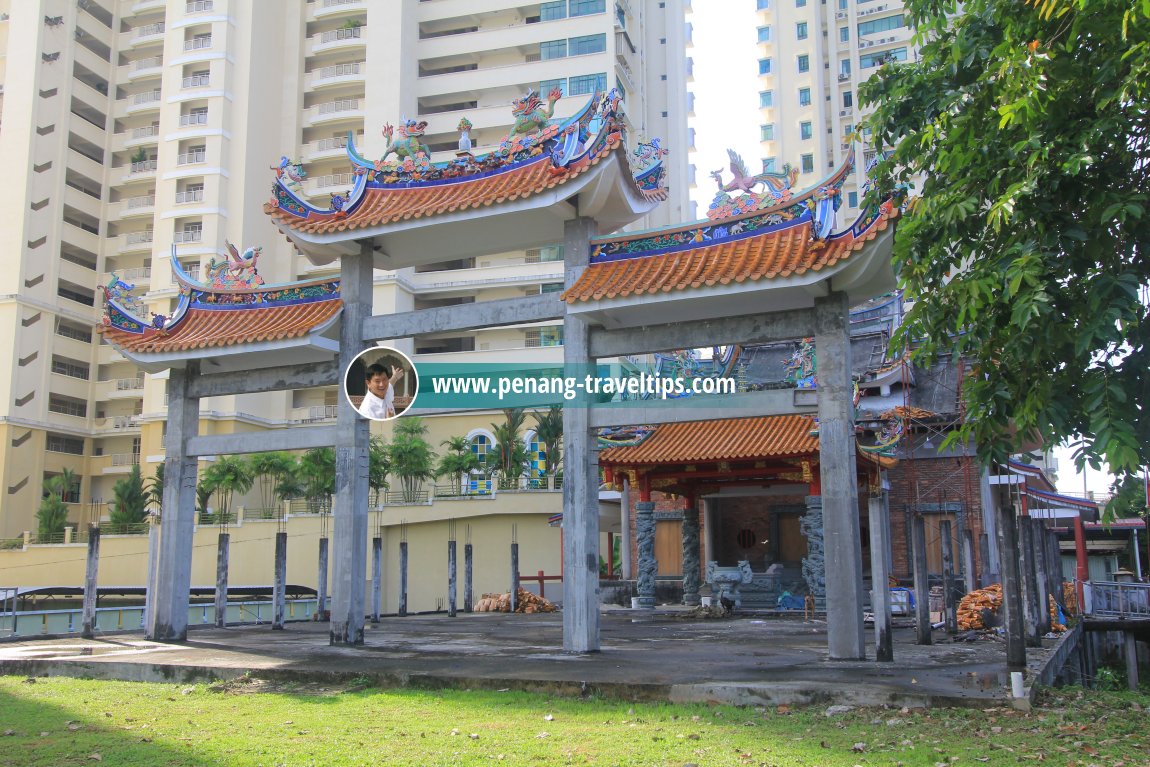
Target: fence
[(1124, 600)]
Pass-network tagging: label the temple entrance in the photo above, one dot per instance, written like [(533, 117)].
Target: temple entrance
[(669, 547), (792, 542)]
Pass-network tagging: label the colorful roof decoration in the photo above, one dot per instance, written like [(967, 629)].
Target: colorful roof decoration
[(538, 155), (776, 189), (728, 439), (234, 310), (777, 243)]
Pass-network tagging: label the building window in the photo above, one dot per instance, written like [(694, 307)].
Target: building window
[(805, 131), (768, 165), (853, 199), (767, 132), (481, 448), (808, 163), (804, 63), (58, 443), (801, 30), (848, 100), (587, 7), (58, 403), (844, 34), (764, 66), (800, 3), (546, 86), (843, 5), (766, 99), (553, 49), (579, 46), (584, 84), (804, 97), (553, 11), (878, 59), (71, 368), (875, 26), (764, 34), (762, 5)]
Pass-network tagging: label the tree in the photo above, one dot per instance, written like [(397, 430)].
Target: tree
[(510, 454), (459, 460), (155, 488), (129, 504), (549, 432), (412, 459), (317, 476), (379, 466), (52, 516), (267, 470), (1025, 249), (227, 476)]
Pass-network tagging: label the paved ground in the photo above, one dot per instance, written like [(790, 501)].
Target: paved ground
[(659, 655)]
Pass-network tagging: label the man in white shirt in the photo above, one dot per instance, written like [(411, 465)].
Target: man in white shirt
[(379, 400)]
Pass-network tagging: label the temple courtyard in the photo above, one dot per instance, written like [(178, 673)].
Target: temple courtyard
[(669, 654)]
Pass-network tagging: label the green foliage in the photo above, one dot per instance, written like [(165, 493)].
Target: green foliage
[(268, 470), (509, 454), (458, 461), (155, 487), (1025, 250), (1128, 499), (227, 476), (379, 466), (129, 504), (52, 516), (412, 459), (317, 478), (549, 432)]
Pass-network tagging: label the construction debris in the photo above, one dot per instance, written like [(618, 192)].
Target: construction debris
[(979, 610), (525, 602)]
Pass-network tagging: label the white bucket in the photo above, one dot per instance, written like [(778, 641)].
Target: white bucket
[(705, 601), (634, 603)]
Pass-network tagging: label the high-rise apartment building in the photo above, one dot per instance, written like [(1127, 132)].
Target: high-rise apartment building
[(136, 131), (813, 54)]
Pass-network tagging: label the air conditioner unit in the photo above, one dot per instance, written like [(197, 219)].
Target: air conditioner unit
[(841, 15)]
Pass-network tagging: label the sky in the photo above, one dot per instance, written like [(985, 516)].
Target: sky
[(726, 90)]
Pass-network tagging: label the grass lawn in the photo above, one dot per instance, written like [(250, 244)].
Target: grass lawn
[(56, 721)]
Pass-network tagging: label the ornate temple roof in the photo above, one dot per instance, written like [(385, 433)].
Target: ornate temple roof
[(234, 314), (730, 439), (412, 191)]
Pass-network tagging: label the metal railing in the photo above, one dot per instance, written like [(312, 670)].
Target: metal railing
[(143, 201), (131, 384), (340, 105), (192, 158), (143, 166), (449, 491), (198, 43), (403, 498), (195, 118), (145, 132), (196, 81), (212, 518), (150, 29), (1122, 600), (150, 97), (339, 70), (198, 6), (335, 179), (341, 34), (192, 195), (189, 235), (125, 459), (149, 63), (139, 238)]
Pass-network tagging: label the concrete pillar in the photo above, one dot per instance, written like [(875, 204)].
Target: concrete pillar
[(376, 578), (970, 582), (691, 568), (814, 563), (89, 610), (1041, 575), (515, 576), (279, 587), (990, 564), (580, 469), (153, 557), (451, 579), (648, 566), (468, 588), (921, 579), (351, 462), (839, 479), (984, 549), (1054, 568), (1028, 583), (222, 548), (168, 620), (627, 571), (879, 523), (1130, 648), (949, 603), (403, 578), (710, 507), (321, 578), (1012, 618)]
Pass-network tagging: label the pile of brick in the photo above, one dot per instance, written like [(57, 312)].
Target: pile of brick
[(525, 602)]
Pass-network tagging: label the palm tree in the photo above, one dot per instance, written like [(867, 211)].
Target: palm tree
[(412, 458), (317, 475), (290, 486), (549, 432), (510, 452), (379, 466), (267, 470), (156, 488), (129, 505), (458, 461), (227, 476), (52, 515)]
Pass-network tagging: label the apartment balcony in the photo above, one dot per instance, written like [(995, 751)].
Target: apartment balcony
[(198, 6), (135, 275), (513, 75), (83, 202), (499, 353), (189, 196), (75, 273), (81, 238), (141, 37), (314, 414), (197, 157), (120, 388), (140, 69), (143, 6), (194, 119), (332, 182), (116, 463), (144, 170), (136, 241), (326, 9), (502, 275), (188, 236), (328, 148), (338, 74), (198, 44), (481, 118), (139, 103), (337, 40), (143, 136), (192, 270), (334, 111), (107, 354), (131, 207), (196, 81)]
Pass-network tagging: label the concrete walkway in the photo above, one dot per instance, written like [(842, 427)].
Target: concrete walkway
[(647, 655)]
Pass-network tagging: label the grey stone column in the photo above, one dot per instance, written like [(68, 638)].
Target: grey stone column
[(376, 578), (626, 570), (403, 578), (90, 589), (879, 576), (1028, 583), (1041, 577), (515, 577), (452, 583), (710, 505), (223, 546), (348, 596), (839, 479), (968, 571), (990, 565), (1011, 588), (468, 589), (645, 540), (949, 603), (279, 587), (921, 579), (580, 467), (691, 552), (153, 556), (168, 618), (814, 563), (323, 604)]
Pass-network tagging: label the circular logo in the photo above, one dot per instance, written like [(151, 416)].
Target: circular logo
[(381, 383)]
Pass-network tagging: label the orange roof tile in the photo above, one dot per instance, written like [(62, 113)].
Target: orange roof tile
[(202, 328), (777, 252), (728, 439), (388, 205)]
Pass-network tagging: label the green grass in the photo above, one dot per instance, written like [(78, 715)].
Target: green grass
[(56, 721)]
